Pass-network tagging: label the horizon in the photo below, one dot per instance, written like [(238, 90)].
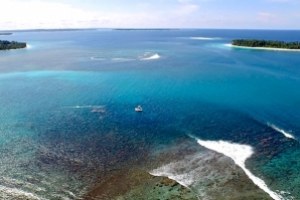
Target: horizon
[(160, 14), (137, 29)]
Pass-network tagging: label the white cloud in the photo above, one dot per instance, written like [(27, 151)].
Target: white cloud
[(266, 17), (184, 1), (17, 14), (30, 14), (280, 1), (187, 9)]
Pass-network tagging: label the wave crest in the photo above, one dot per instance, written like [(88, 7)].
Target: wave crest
[(148, 56), (239, 154), (285, 133)]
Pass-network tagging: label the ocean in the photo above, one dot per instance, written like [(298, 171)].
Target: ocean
[(218, 122)]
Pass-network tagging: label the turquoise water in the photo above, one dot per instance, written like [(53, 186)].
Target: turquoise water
[(67, 104)]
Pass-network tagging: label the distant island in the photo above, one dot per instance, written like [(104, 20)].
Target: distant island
[(145, 29), (6, 45), (5, 33), (266, 44)]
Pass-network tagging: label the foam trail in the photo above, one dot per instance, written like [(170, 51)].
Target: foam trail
[(239, 154), (185, 172), (191, 170), (205, 38), (85, 106), (151, 57), (166, 171), (122, 59), (285, 133), (117, 59)]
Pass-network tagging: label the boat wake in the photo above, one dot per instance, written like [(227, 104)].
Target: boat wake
[(146, 56), (122, 59)]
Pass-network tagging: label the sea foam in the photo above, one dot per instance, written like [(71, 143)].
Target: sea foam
[(28, 46), (97, 58), (239, 154), (186, 171), (85, 106), (150, 57), (285, 133), (194, 171), (122, 59), (146, 56)]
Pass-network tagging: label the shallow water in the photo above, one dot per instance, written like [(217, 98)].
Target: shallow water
[(67, 105)]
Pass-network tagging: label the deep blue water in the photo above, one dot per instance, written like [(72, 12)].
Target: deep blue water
[(70, 98)]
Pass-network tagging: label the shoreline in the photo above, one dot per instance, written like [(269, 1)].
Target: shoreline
[(262, 48)]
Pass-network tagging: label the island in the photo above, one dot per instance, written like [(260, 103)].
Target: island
[(145, 29), (5, 33), (266, 44), (6, 45)]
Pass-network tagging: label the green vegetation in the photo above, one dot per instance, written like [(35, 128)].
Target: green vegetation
[(267, 44), (6, 45)]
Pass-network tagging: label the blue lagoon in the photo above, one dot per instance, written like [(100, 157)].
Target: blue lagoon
[(218, 122)]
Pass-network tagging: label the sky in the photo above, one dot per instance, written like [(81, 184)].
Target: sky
[(237, 14)]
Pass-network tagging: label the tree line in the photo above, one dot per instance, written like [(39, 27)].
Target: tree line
[(267, 43), (6, 45)]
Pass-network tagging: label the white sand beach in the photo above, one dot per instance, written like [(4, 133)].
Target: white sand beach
[(263, 48)]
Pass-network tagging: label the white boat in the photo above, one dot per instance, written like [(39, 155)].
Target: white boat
[(138, 109)]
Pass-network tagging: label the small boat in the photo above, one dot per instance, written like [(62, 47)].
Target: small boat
[(138, 109)]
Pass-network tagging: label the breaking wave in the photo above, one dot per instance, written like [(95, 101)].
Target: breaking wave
[(239, 154), (28, 46), (185, 172), (193, 168), (285, 133), (148, 56)]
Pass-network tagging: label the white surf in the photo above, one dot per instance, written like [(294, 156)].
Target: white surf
[(155, 56), (239, 154), (285, 133)]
